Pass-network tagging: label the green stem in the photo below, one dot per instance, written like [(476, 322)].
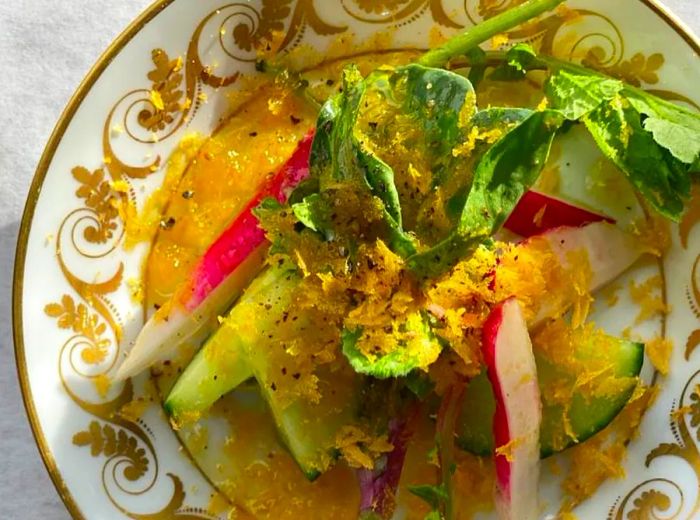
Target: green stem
[(478, 34)]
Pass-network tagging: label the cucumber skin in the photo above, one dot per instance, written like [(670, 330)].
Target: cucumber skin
[(301, 429), (205, 380), (212, 374), (481, 442)]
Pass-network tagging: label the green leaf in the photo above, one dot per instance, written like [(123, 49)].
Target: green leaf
[(420, 350), (502, 176), (343, 152), (433, 515), (576, 95), (310, 212), (435, 496), (673, 127), (662, 179)]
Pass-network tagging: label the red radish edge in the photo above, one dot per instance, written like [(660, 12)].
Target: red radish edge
[(511, 369), (219, 275), (243, 235), (537, 212)]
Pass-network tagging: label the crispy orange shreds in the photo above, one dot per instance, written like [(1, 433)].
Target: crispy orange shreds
[(580, 274), (102, 384), (507, 449), (474, 477), (185, 418), (134, 410), (499, 41), (537, 219), (533, 272), (648, 295), (659, 351), (601, 456), (360, 449), (654, 233)]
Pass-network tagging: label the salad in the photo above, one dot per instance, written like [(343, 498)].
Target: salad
[(400, 294)]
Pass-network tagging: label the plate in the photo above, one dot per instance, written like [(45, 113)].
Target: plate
[(75, 279)]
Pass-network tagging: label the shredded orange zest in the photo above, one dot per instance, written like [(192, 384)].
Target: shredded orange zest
[(359, 448), (659, 351), (649, 297), (507, 449)]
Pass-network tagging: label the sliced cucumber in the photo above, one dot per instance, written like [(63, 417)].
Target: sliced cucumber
[(220, 365), (587, 415), (255, 340), (307, 423)]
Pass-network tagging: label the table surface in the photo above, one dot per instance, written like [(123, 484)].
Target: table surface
[(56, 50)]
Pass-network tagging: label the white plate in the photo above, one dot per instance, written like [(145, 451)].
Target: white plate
[(143, 473)]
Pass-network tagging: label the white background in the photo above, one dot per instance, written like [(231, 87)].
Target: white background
[(45, 50)]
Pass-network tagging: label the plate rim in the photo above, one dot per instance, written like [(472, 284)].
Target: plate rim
[(46, 158)]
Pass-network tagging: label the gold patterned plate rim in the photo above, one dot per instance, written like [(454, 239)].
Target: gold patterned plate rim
[(63, 123)]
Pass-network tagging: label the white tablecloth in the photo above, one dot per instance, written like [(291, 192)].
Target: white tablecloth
[(45, 50)]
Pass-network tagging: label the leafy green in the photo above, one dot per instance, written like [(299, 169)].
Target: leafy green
[(343, 150), (418, 351), (501, 177), (433, 495), (576, 95), (673, 127), (654, 142), (662, 179)]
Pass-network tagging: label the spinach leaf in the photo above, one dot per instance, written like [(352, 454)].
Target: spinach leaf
[(576, 95), (416, 347), (654, 142), (673, 127), (501, 177), (662, 179), (345, 150)]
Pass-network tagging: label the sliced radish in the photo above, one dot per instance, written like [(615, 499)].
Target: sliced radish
[(219, 276), (378, 487), (610, 252), (537, 212), (516, 424)]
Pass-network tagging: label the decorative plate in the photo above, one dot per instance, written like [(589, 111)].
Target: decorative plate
[(166, 76)]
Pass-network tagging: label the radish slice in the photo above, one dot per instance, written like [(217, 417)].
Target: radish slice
[(219, 276), (378, 487), (537, 212), (610, 252), (516, 424)]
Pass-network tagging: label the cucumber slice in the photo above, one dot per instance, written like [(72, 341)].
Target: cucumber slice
[(587, 416), (220, 365), (277, 351), (266, 336)]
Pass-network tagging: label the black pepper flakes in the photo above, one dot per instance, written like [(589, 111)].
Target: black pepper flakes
[(168, 223), (188, 194), (295, 120)]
